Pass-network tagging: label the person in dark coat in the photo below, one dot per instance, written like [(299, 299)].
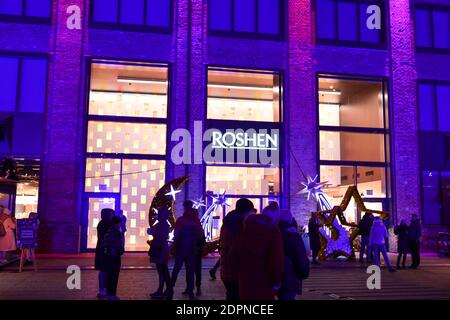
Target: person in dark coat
[(257, 257), (187, 234), (402, 232), (296, 262), (107, 216), (414, 235), (188, 204), (159, 252), (231, 227), (314, 237), (113, 245), (364, 226)]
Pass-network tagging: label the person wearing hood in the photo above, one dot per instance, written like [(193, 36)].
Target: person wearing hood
[(377, 241), (187, 234), (257, 256), (231, 227), (296, 262), (402, 232), (415, 232)]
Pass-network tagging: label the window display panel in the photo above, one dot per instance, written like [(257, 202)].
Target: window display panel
[(102, 175), (120, 137), (371, 182), (350, 103), (141, 179), (431, 197), (244, 96), (126, 137), (243, 180), (350, 146), (128, 90)]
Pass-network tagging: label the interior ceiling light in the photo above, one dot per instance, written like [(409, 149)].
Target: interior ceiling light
[(141, 80), (239, 87), (336, 92)]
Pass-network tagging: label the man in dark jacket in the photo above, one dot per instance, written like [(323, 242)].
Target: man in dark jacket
[(296, 263), (415, 232), (231, 227), (187, 234), (105, 223), (365, 225)]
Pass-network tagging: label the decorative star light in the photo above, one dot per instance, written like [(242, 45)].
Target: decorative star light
[(199, 203), (220, 199), (313, 187), (172, 192)]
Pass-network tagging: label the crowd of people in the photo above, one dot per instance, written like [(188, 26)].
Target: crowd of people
[(262, 256), (374, 241)]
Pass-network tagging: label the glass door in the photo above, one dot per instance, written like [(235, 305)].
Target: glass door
[(93, 205)]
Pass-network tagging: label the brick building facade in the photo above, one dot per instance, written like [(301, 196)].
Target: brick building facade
[(189, 46)]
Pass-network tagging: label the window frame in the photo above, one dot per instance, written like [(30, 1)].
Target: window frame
[(430, 7), (422, 167), (118, 26), (281, 36), (121, 156), (386, 165), (23, 18), (265, 125), (382, 45)]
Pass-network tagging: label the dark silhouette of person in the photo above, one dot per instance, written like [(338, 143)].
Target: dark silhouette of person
[(364, 226), (296, 263), (402, 232), (159, 252), (231, 227), (113, 245), (105, 223), (415, 233), (314, 237), (187, 234)]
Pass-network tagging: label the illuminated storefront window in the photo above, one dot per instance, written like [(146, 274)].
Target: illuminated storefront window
[(245, 102), (126, 145), (354, 141)]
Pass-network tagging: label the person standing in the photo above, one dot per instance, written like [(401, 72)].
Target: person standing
[(114, 249), (415, 232), (296, 262), (231, 227), (159, 252), (364, 227), (105, 223), (187, 234), (402, 232), (257, 257), (8, 239), (377, 241), (314, 237)]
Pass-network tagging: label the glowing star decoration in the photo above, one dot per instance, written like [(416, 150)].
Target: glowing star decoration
[(336, 238), (199, 203), (172, 193), (313, 187), (219, 200)]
